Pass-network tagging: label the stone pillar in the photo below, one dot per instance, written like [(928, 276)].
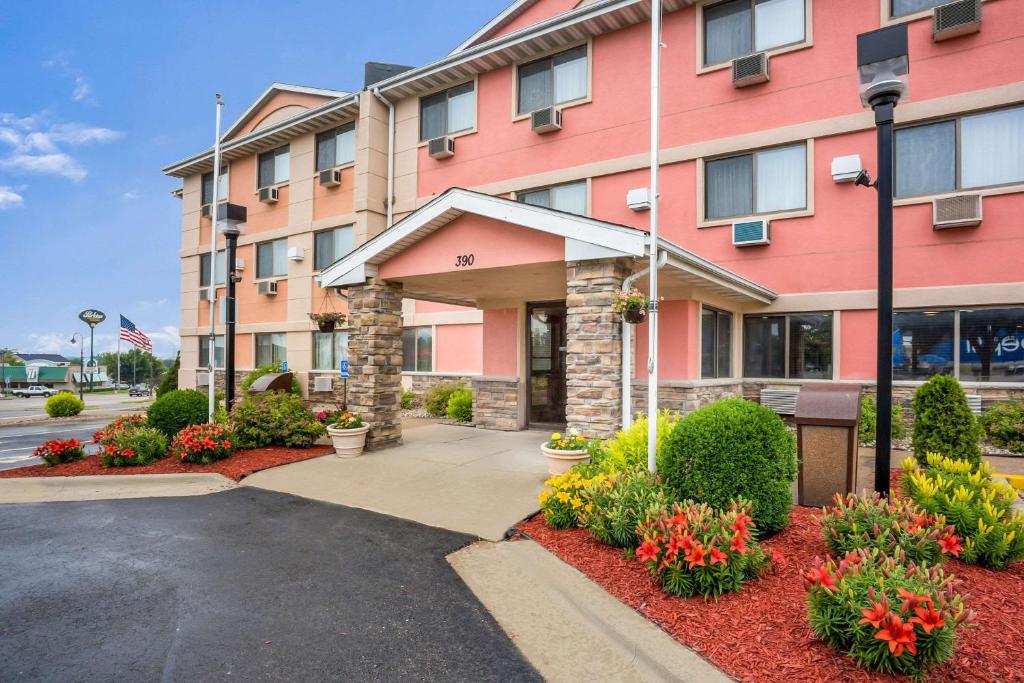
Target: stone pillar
[(594, 337), (375, 360)]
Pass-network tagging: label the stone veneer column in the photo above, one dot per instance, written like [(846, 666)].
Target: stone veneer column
[(594, 338), (375, 360)]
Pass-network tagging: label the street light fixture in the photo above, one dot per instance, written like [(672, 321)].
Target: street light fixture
[(883, 66)]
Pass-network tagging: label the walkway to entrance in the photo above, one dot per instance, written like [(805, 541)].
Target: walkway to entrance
[(471, 480)]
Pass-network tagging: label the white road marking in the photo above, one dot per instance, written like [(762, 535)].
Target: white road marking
[(16, 458)]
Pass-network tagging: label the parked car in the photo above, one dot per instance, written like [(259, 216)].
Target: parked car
[(35, 390), (139, 390), (122, 385)]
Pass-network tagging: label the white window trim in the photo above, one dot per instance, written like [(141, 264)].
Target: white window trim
[(807, 42), (516, 116), (476, 110)]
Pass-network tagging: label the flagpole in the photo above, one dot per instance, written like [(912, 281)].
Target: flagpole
[(653, 308), (117, 387), (213, 261)]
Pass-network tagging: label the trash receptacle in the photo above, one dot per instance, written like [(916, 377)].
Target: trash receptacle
[(272, 381), (826, 434)]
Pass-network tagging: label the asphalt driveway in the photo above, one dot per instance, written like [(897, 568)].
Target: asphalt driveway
[(243, 585)]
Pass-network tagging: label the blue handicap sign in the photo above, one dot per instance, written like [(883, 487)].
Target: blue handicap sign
[(284, 366), (343, 368)]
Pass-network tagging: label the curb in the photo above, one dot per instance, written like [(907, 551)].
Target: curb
[(110, 487), (84, 416)]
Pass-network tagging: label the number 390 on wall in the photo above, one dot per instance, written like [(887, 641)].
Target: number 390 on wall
[(463, 260)]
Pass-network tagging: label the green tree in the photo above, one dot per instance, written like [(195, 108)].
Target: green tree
[(170, 380), (8, 357), (148, 369)]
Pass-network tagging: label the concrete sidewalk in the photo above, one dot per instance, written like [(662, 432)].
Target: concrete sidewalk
[(460, 478), (109, 487)]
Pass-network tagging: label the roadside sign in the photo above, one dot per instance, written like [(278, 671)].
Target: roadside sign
[(343, 369)]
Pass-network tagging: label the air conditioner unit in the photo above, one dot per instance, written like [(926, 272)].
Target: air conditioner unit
[(323, 383), (268, 195), (750, 233), (956, 19), (202, 379), (959, 211), (204, 294), (267, 288), (546, 120), (750, 70), (441, 148), (295, 253), (205, 210), (639, 199), (330, 178), (239, 263)]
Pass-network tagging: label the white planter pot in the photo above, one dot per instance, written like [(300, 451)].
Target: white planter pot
[(348, 443), (560, 462)]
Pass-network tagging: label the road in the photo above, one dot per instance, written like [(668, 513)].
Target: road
[(245, 585), (17, 443), (27, 407)]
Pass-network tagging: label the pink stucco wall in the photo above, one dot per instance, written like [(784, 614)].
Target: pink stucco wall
[(678, 342), (544, 9), (857, 332), (500, 341), (459, 348)]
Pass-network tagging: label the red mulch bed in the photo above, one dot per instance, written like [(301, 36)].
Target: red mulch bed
[(240, 464), (761, 632)]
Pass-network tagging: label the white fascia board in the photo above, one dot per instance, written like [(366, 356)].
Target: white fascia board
[(494, 23), (722, 278), (269, 92), (356, 276)]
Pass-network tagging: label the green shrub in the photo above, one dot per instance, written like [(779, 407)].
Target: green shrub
[(617, 505), (869, 421), (436, 400), (734, 449), (170, 379), (409, 400), (980, 508), (266, 370), (202, 444), (566, 495), (64, 404), (134, 447), (178, 409), (106, 436), (943, 423), (1003, 424), (886, 613), (460, 405), (629, 447), (274, 418)]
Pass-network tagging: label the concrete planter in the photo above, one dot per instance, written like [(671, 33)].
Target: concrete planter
[(560, 462), (348, 443)]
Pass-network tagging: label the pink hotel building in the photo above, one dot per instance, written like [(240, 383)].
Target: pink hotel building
[(474, 216)]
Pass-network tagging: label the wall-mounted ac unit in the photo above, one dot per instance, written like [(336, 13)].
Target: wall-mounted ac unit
[(268, 195), (239, 263), (958, 211), (546, 120), (266, 288), (750, 70), (202, 379), (330, 178), (750, 233), (638, 199), (204, 294), (323, 383), (205, 210), (295, 253), (956, 19), (441, 148)]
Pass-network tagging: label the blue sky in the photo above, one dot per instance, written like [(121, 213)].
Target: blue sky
[(97, 97)]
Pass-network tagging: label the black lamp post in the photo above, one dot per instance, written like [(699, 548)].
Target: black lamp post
[(883, 64), (230, 216), (81, 363), (92, 318)]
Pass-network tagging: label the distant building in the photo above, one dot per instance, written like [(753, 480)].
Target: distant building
[(49, 370)]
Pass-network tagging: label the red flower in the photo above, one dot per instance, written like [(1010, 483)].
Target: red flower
[(928, 618), (738, 544), (647, 551), (718, 557), (898, 635), (875, 615), (677, 519), (820, 576), (740, 526), (950, 545), (695, 557), (912, 600)]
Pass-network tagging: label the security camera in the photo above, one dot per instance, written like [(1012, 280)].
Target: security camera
[(864, 179)]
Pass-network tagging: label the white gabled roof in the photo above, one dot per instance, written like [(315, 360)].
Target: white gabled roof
[(272, 90), (496, 24)]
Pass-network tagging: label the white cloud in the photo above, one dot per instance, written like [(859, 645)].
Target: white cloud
[(37, 144), (129, 196), (82, 89), (165, 342), (48, 164), (9, 199), (80, 134), (10, 136)]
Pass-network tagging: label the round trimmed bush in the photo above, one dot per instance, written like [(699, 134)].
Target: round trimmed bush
[(436, 400), (460, 406), (1004, 425), (178, 409), (64, 404), (943, 422), (734, 449)]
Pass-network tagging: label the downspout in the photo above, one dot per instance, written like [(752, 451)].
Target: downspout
[(627, 345), (391, 154)]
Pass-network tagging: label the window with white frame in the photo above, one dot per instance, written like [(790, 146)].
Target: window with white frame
[(737, 28), (570, 197), (329, 349), (335, 147), (220, 274), (418, 349), (271, 348), (715, 343), (791, 346), (556, 79), (974, 345), (331, 245), (272, 259), (899, 8), (447, 112), (218, 351), (971, 152), (274, 167), (222, 186), (765, 181)]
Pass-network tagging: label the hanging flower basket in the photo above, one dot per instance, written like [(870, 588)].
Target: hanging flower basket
[(632, 305), (326, 322), (634, 316)]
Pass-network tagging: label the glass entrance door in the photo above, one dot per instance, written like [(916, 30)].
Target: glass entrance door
[(546, 359)]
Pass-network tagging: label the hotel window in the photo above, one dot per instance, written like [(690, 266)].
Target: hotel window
[(715, 343), (794, 346), (222, 187), (272, 259), (274, 166), (899, 8), (765, 181), (557, 79), (980, 150), (218, 351), (741, 27), (329, 349), (974, 345), (271, 348), (204, 269), (571, 197), (418, 349), (447, 112), (331, 245), (335, 148)]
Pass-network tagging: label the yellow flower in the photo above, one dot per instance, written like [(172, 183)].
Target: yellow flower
[(576, 503), (543, 497), (588, 507), (563, 497), (556, 437)]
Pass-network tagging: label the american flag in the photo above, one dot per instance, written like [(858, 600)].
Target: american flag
[(133, 335)]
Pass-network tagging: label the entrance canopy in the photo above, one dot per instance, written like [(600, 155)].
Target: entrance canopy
[(468, 248)]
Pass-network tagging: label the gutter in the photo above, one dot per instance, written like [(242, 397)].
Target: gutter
[(627, 345), (391, 154)]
